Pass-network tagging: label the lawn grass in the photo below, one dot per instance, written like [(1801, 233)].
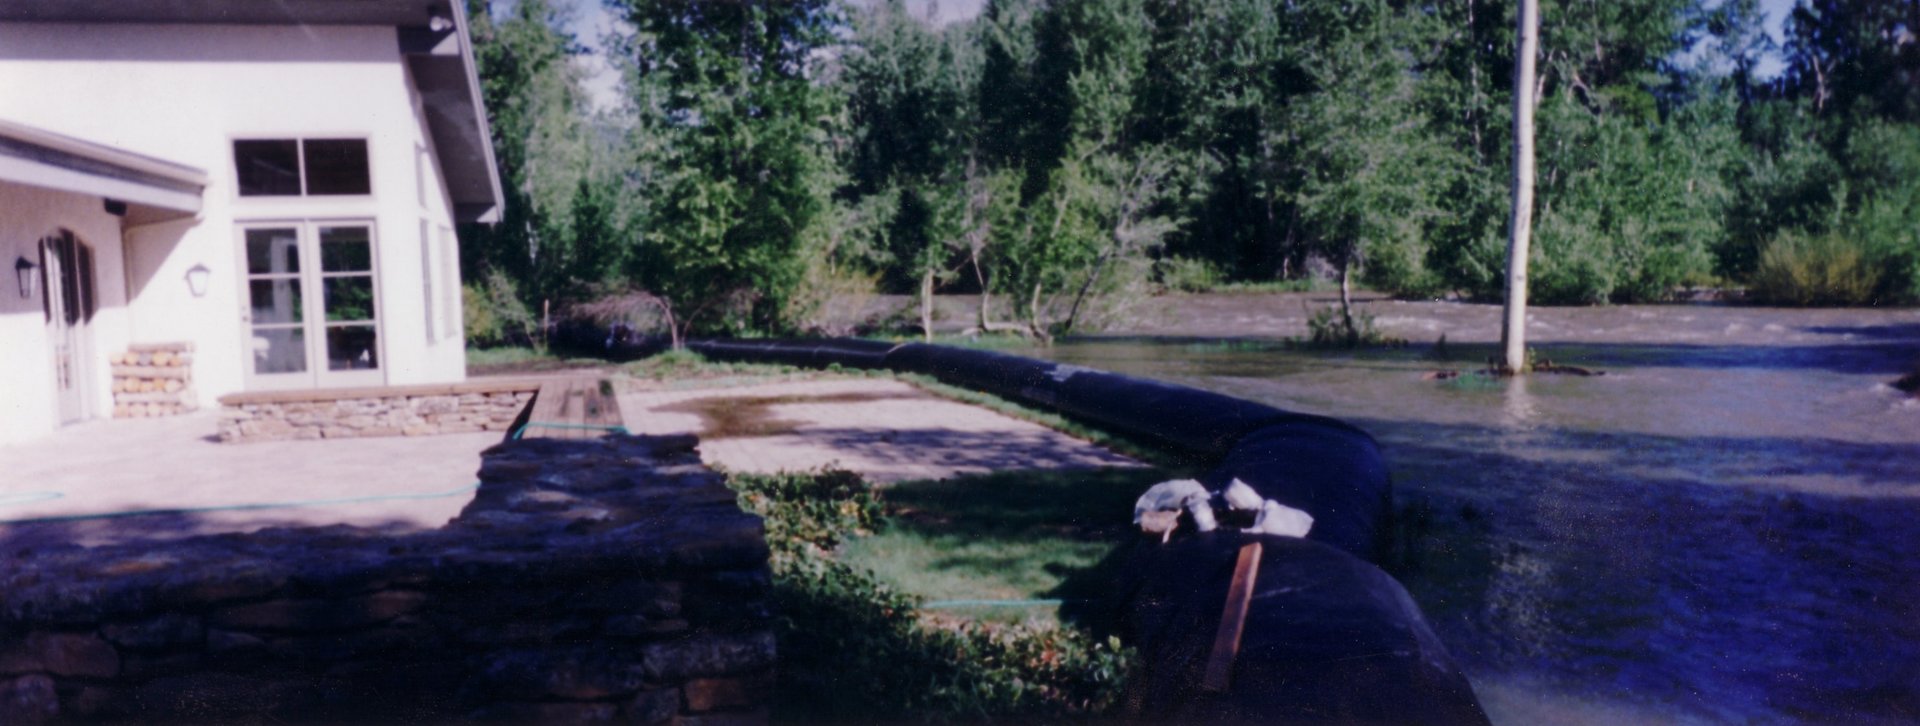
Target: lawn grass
[(518, 359), (1011, 535)]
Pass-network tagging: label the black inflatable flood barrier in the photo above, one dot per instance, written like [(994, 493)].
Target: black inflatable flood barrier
[(1323, 466), (1331, 637)]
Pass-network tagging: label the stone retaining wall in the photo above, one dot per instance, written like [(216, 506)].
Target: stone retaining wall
[(393, 411), (587, 580)]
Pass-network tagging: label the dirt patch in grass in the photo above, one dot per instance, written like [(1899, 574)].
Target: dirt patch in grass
[(733, 417)]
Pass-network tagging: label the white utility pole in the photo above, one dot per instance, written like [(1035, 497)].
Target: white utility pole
[(1513, 329)]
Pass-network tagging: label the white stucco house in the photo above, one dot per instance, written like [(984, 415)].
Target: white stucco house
[(276, 182)]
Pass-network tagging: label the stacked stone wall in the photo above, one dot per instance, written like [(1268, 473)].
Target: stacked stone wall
[(588, 580), (399, 411), (153, 379)]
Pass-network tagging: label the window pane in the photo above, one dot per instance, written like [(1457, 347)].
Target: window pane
[(275, 301), (267, 168), (349, 298), (279, 350), (449, 284), (345, 249), (86, 280), (272, 251), (351, 347), (69, 278), (426, 277), (337, 166)]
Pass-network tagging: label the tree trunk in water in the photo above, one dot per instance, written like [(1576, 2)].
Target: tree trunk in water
[(1513, 330), (1086, 288), (926, 305), (1034, 318), (979, 275), (1346, 299)]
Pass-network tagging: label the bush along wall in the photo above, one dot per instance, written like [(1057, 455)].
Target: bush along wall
[(587, 580)]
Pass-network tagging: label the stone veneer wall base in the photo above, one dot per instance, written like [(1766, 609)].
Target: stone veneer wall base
[(390, 411), (611, 578)]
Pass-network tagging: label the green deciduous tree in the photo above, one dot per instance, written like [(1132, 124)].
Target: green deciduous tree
[(742, 171), (563, 225)]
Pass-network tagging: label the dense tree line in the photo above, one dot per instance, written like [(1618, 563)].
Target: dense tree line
[(1055, 156)]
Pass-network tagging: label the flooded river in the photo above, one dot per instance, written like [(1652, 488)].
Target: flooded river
[(1725, 527)]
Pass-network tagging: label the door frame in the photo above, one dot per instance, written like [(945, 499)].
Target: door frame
[(313, 322)]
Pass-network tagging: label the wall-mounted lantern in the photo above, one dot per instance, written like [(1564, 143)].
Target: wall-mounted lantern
[(23, 269), (197, 279)]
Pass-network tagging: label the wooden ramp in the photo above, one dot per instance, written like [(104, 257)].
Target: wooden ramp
[(573, 408)]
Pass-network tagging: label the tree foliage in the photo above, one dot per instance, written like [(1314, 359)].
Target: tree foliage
[(1049, 156), (562, 215)]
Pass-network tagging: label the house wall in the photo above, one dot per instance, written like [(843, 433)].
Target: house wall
[(27, 399), (183, 93)]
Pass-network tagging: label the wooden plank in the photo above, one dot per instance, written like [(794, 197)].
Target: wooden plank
[(1233, 620), (576, 411), (603, 408), (573, 408), (547, 406)]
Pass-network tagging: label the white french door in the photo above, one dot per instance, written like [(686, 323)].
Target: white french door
[(312, 314), (67, 271)]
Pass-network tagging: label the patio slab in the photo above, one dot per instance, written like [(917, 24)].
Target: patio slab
[(886, 430), (83, 482)]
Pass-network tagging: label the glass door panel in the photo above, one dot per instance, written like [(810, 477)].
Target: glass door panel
[(347, 292), (276, 303), (312, 306)]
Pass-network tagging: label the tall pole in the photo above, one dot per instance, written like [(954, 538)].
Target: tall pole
[(1513, 329)]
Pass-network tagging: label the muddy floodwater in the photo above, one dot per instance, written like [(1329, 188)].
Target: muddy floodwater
[(1725, 527)]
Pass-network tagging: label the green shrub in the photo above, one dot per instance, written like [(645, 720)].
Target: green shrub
[(1188, 274), (494, 315), (1827, 269), (852, 649), (809, 509), (1327, 327)]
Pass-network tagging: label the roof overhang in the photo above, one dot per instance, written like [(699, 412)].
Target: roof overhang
[(39, 158), (219, 12), (433, 39)]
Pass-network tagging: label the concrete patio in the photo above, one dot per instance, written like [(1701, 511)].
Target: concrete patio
[(111, 481), (887, 430), (80, 481)]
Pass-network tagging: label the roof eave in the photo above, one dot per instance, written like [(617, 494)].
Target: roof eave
[(491, 214)]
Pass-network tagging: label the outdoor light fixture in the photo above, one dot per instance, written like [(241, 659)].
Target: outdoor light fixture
[(197, 279), (23, 269), (439, 21)]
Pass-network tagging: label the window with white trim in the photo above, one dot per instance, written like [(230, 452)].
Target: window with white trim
[(426, 279), (302, 167)]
